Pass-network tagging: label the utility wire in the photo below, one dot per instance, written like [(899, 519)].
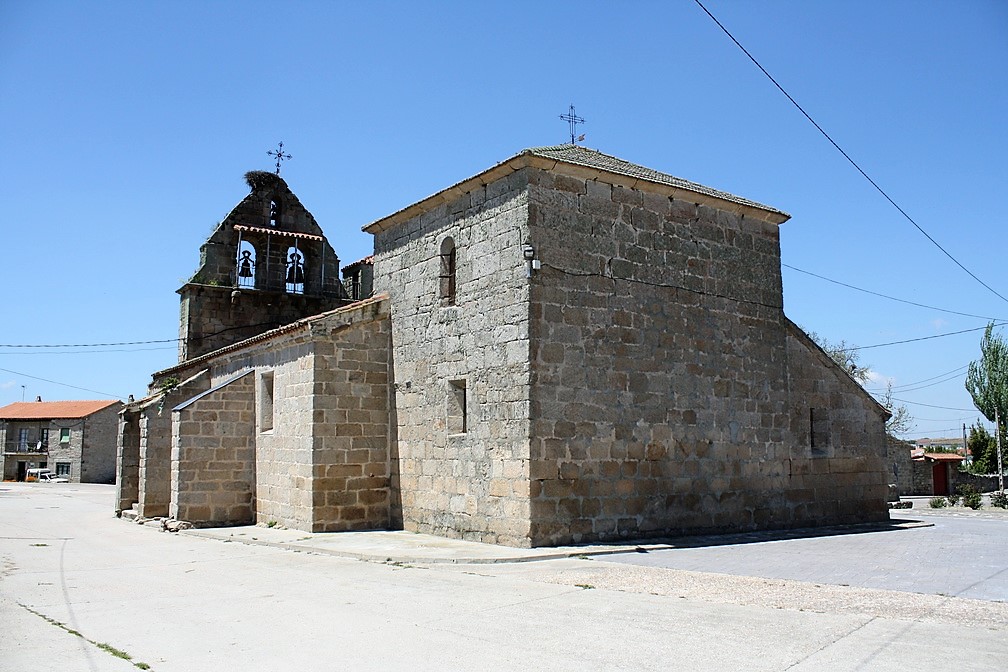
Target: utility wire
[(50, 353), (846, 156), (935, 431), (944, 408), (886, 296), (86, 345), (271, 325), (56, 382), (923, 387), (923, 338), (898, 388)]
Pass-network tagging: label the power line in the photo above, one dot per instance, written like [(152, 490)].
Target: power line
[(899, 388), (965, 417), (923, 338), (846, 156), (82, 352), (918, 386), (56, 382), (924, 387), (944, 408), (886, 296), (936, 431), (85, 345)]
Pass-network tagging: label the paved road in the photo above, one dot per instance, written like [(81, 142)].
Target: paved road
[(960, 556), (185, 603)]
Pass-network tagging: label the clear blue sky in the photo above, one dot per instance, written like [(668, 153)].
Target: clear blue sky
[(128, 126)]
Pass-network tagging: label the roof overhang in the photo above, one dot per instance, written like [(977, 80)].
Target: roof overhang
[(683, 189)]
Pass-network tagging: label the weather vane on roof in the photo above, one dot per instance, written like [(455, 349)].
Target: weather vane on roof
[(572, 118), (280, 156)]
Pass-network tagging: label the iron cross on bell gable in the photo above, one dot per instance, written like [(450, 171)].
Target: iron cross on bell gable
[(280, 156)]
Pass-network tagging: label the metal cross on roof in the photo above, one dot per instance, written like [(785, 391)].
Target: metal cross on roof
[(572, 118), (280, 156)]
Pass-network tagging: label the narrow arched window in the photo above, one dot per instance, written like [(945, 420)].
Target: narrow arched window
[(448, 262), (245, 265), (274, 216), (295, 270)]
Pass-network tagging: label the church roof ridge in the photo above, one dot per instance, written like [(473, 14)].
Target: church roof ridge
[(580, 159), (593, 158)]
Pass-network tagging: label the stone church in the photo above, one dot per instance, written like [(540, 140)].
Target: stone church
[(566, 347)]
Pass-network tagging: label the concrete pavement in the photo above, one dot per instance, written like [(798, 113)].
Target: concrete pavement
[(186, 602)]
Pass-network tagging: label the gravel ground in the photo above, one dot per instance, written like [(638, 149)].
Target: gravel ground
[(773, 593)]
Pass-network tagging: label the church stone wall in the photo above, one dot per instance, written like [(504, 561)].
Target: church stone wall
[(213, 456), (127, 461), (660, 399), (460, 481), (155, 430), (838, 472), (284, 450), (351, 472), (321, 441)]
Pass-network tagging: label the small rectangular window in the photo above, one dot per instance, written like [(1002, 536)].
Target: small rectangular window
[(63, 469), (448, 266), (266, 402), (64, 435), (44, 437), (819, 431), (457, 421)]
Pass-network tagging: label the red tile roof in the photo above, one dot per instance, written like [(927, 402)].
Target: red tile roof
[(366, 261), (45, 410), (944, 457)]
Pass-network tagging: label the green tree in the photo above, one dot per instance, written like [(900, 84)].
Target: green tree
[(987, 381), (981, 446)]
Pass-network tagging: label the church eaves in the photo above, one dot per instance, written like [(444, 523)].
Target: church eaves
[(584, 162)]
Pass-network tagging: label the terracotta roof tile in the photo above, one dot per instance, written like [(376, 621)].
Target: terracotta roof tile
[(366, 261), (944, 457), (45, 410)]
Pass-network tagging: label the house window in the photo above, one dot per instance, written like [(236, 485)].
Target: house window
[(353, 285), (457, 420), (63, 469), (448, 263), (819, 431), (266, 402), (64, 435), (44, 438), (23, 439)]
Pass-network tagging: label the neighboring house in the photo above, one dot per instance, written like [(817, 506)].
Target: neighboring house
[(953, 443), (934, 473), (565, 347), (74, 439), (358, 278)]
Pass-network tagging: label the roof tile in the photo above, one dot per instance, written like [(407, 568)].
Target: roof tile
[(46, 410)]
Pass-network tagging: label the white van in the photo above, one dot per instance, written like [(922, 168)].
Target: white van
[(45, 476)]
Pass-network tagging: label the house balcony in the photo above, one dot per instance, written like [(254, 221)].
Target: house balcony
[(21, 448)]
